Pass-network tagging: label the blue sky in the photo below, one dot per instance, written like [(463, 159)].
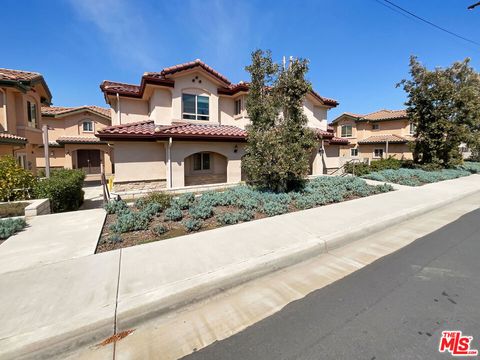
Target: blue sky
[(358, 49)]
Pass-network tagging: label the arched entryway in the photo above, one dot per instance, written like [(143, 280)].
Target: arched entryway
[(205, 168)]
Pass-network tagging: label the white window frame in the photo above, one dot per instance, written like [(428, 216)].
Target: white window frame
[(88, 121), (202, 155), (346, 135), (375, 126), (196, 114), (375, 155), (412, 129), (351, 152)]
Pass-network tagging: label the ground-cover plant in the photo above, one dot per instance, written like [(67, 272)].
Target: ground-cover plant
[(63, 188), (126, 225), (162, 198), (16, 183), (416, 177), (10, 227), (12, 209)]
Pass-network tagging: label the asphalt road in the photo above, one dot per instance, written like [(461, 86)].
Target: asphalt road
[(395, 308)]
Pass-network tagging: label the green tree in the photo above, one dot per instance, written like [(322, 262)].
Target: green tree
[(279, 143), (444, 104)]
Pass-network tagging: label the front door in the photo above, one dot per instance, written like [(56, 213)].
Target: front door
[(89, 161)]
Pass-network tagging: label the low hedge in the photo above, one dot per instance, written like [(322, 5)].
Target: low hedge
[(416, 177), (63, 188)]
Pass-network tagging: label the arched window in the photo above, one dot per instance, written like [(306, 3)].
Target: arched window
[(87, 126)]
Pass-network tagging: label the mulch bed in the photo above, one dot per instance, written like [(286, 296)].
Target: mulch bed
[(12, 209)]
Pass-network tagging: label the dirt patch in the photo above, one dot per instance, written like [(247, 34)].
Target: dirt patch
[(116, 337)]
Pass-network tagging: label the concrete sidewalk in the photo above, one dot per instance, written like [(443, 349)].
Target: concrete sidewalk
[(114, 291), (52, 238)]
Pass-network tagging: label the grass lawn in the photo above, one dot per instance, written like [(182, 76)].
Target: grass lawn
[(159, 216), (12, 209), (418, 177)]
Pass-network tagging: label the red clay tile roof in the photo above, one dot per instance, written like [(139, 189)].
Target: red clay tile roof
[(187, 66), (78, 140), (385, 115), (322, 133), (19, 75), (338, 141), (161, 78), (378, 139), (147, 129), (11, 139), (379, 115), (26, 78), (62, 110)]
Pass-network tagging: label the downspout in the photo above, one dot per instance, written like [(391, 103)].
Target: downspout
[(119, 114), (169, 163)]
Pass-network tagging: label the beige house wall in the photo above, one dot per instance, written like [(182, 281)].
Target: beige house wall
[(139, 161), (131, 110)]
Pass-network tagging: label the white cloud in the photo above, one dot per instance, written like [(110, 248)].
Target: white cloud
[(123, 28)]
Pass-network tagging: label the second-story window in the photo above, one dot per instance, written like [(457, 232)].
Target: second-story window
[(346, 131), (195, 107), (31, 114), (375, 127), (238, 107), (413, 128), (87, 126)]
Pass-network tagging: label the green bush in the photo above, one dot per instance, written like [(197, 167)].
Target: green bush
[(162, 198), (115, 206), (192, 224), (272, 208), (416, 177), (360, 169), (201, 211), (228, 218), (63, 188), (16, 183), (10, 227), (471, 166), (115, 238), (184, 201), (160, 229), (173, 214), (131, 221)]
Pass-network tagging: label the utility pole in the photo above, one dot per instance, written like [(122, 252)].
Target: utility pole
[(473, 6), (46, 151)]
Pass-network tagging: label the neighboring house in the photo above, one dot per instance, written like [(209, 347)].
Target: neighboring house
[(186, 125), (72, 140), (376, 135), (22, 93)]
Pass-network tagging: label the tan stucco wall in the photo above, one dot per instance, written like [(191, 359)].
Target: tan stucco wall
[(139, 161), (316, 115), (160, 106), (132, 110)]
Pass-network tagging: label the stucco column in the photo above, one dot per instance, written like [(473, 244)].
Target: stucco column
[(107, 162), (178, 173), (317, 166), (68, 158), (234, 171)]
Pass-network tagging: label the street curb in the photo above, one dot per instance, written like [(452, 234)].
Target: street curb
[(207, 285)]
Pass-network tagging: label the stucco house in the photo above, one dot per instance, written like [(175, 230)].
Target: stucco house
[(185, 125), (72, 140), (22, 93), (377, 135)]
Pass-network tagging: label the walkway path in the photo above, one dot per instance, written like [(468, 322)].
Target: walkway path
[(52, 238)]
